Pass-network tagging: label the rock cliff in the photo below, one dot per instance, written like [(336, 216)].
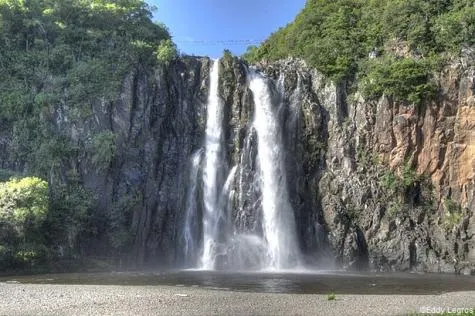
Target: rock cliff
[(374, 184)]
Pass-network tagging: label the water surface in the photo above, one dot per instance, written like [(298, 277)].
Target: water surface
[(322, 282)]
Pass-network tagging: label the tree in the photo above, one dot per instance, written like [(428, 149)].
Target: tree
[(166, 52), (23, 210), (24, 202)]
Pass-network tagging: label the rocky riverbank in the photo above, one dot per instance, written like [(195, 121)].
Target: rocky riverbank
[(31, 299)]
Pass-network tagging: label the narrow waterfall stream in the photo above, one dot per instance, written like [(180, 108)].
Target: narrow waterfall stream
[(212, 172)]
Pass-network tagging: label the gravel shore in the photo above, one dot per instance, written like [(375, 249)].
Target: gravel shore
[(36, 299)]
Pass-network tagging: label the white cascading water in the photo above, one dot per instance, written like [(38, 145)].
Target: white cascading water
[(278, 218), (191, 211), (212, 169), (260, 233)]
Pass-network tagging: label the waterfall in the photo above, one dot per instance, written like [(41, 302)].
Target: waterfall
[(247, 219), (212, 173), (278, 218)]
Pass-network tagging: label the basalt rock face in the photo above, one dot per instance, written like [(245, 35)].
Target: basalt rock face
[(412, 229), (376, 185), (158, 121)]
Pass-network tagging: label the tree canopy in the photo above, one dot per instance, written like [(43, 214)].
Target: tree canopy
[(348, 38), (71, 53)]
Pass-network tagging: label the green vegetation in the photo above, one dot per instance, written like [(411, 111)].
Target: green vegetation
[(400, 184), (35, 224), (72, 55), (331, 297), (403, 78), (103, 149), (409, 176), (453, 214), (226, 73), (166, 52), (120, 236), (390, 181), (394, 209), (23, 212), (404, 189), (391, 47), (59, 62)]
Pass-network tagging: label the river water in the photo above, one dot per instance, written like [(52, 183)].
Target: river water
[(304, 282)]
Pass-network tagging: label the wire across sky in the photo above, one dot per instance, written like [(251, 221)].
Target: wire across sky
[(219, 42)]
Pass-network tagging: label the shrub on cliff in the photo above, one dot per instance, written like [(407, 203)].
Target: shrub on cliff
[(404, 79), (103, 149)]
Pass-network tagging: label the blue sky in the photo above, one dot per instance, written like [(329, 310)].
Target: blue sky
[(196, 25)]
